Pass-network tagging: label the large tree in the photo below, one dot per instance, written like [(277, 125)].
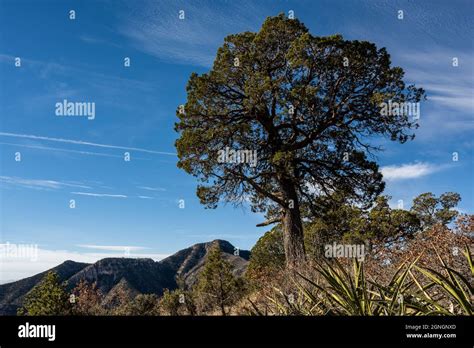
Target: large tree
[(307, 105)]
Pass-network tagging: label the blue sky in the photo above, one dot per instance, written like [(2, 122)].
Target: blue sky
[(135, 204)]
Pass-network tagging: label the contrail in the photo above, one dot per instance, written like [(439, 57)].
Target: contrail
[(63, 150), (80, 142), (98, 194)]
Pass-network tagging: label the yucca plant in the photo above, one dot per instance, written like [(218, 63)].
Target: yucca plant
[(342, 291), (453, 285), (303, 301), (345, 293), (396, 298), (350, 292), (298, 303)]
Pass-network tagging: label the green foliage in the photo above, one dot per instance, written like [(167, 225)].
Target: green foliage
[(217, 286), (340, 221), (433, 210), (169, 302), (337, 220), (178, 302), (144, 304), (244, 103), (384, 223), (268, 255), (49, 297), (119, 298), (345, 222), (405, 223)]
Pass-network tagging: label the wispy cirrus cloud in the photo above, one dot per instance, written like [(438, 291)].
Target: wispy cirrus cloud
[(40, 183), (98, 83), (145, 197), (446, 85), (57, 149), (155, 28), (449, 89), (112, 247), (148, 188), (85, 143), (408, 171), (45, 184), (92, 194)]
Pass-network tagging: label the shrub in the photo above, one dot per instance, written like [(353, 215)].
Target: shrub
[(49, 297)]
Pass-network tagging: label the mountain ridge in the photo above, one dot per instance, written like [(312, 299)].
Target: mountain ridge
[(142, 275)]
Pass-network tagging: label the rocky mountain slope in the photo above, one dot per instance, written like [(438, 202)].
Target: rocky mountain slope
[(12, 294), (139, 275)]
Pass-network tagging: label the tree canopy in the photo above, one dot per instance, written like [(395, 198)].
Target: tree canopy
[(433, 210), (306, 106)]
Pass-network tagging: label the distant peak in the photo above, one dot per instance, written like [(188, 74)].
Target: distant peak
[(224, 245), (72, 263), (126, 260)]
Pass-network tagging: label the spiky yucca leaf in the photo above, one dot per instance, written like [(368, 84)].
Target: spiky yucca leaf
[(346, 293), (454, 285)]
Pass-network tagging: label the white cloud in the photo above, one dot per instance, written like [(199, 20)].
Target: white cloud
[(408, 171), (47, 148), (463, 99), (151, 188), (40, 183), (86, 143), (449, 90), (445, 84), (112, 247), (12, 269), (98, 194), (154, 28)]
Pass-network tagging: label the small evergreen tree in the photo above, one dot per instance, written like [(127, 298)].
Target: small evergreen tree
[(180, 301), (384, 224), (433, 210), (217, 286), (169, 302), (49, 297), (143, 304)]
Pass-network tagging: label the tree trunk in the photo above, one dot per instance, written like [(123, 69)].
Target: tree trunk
[(293, 239)]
